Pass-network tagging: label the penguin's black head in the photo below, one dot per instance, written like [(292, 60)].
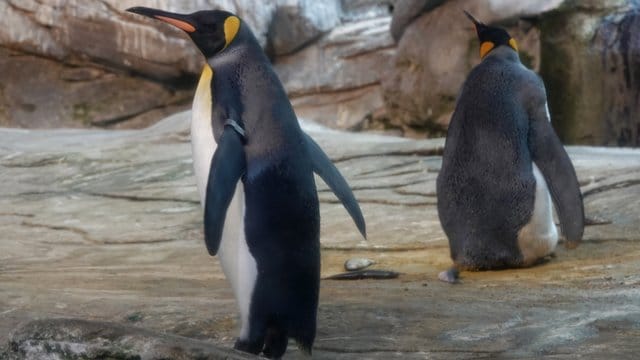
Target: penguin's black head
[(491, 37), (212, 31)]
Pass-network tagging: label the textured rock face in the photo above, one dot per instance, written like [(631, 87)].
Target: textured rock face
[(437, 51), (590, 62), (405, 11), (38, 92), (330, 54), (80, 339), (100, 31), (337, 81), (337, 59), (71, 64), (296, 23), (102, 256)]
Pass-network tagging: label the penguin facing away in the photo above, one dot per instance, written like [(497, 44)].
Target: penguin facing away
[(502, 166), (254, 168)]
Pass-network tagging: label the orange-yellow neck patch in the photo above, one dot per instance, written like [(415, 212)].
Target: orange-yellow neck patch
[(513, 44), (231, 28), (485, 47)]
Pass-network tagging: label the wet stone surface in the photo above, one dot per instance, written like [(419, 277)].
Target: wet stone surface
[(101, 254)]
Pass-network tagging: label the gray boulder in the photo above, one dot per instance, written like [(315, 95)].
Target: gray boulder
[(297, 23), (337, 80), (405, 11)]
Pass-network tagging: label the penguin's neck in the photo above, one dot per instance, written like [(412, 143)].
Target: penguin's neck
[(503, 52), (228, 57), (243, 49)]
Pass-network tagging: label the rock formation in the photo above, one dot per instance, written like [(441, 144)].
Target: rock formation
[(89, 63), (590, 62), (72, 64), (437, 50)]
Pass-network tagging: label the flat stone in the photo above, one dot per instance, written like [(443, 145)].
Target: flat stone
[(101, 252)]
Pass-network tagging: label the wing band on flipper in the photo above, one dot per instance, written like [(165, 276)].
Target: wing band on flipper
[(227, 167), (556, 167), (237, 128), (323, 166)]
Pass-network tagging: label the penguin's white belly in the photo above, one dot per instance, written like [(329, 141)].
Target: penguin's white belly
[(238, 264), (539, 237)]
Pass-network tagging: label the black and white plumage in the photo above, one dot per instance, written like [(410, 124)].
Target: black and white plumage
[(254, 168), (503, 165)]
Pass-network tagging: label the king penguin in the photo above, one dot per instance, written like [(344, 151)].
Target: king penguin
[(254, 168), (502, 166)]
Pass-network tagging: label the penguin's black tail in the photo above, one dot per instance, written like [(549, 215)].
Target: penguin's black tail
[(305, 348), (275, 343)]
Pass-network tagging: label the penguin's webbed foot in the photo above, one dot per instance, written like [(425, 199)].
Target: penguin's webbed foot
[(254, 347), (275, 343), (570, 245), (450, 275)]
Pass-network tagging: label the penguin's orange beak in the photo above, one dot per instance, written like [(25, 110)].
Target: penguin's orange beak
[(178, 20)]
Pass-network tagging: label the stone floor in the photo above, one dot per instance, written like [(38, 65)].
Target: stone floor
[(101, 255)]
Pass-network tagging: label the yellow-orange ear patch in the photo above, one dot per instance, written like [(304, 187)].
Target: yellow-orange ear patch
[(183, 25), (231, 28), (485, 47), (513, 44)]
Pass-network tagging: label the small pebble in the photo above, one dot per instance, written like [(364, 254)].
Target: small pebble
[(449, 276), (358, 264)]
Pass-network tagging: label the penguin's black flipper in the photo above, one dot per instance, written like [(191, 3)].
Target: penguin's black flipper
[(227, 166), (323, 166), (556, 167)]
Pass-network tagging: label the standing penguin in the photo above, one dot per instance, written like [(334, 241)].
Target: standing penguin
[(254, 168), (502, 165)]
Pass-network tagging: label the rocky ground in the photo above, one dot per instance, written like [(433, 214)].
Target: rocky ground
[(101, 256)]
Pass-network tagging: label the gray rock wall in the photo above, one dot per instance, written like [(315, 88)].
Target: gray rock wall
[(590, 62), (135, 70), (101, 32), (349, 64), (437, 50), (89, 63)]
